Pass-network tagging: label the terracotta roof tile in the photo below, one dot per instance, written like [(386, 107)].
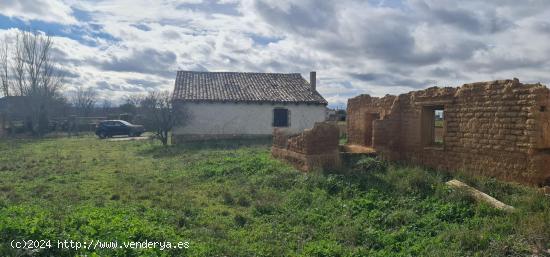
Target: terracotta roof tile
[(244, 87)]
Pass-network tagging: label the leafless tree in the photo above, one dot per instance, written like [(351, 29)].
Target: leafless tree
[(29, 70), (106, 106), (84, 100), (161, 115), (131, 104), (134, 99), (4, 67)]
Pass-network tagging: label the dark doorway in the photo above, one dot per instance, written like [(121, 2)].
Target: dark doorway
[(280, 117)]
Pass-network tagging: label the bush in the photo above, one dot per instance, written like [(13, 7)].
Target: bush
[(400, 218), (228, 198), (323, 248), (370, 165), (243, 201), (413, 181), (240, 220)]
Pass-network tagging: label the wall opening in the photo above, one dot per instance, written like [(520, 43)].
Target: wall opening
[(369, 119), (433, 126), (281, 117)]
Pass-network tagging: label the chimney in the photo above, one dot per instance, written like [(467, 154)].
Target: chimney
[(313, 80)]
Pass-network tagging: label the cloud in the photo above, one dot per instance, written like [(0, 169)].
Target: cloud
[(149, 60), (392, 80), (44, 10), (304, 17), (144, 83), (356, 46), (477, 21)]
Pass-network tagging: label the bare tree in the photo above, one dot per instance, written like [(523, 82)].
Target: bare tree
[(134, 99), (161, 115), (106, 106), (4, 67), (84, 100), (32, 74), (131, 104)]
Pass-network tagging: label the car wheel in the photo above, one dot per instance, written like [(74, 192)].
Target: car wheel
[(102, 135)]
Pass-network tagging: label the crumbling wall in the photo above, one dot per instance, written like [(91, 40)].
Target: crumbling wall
[(315, 148), (496, 129), (361, 111)]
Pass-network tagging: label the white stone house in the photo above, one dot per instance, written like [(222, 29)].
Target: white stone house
[(237, 104)]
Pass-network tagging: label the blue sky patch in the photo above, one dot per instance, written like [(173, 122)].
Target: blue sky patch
[(263, 40), (74, 32)]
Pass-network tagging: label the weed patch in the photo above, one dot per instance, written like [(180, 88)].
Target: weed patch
[(235, 200)]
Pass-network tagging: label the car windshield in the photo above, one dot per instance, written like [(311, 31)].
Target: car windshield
[(125, 123)]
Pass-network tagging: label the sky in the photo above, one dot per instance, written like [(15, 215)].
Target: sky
[(377, 47)]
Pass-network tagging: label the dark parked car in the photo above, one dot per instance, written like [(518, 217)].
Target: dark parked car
[(109, 128)]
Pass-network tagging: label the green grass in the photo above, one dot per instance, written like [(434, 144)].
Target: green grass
[(228, 200)]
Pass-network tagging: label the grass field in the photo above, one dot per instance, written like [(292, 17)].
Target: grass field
[(228, 200)]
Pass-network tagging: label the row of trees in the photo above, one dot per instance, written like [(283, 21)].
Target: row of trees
[(28, 70)]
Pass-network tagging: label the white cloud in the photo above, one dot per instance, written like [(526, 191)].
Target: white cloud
[(43, 10), (355, 46)]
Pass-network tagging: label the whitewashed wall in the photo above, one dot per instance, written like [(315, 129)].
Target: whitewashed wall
[(249, 119)]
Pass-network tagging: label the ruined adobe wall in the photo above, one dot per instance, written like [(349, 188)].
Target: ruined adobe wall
[(496, 129), (357, 111), (314, 148)]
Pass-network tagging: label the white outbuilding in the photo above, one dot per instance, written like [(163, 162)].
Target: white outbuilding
[(224, 105)]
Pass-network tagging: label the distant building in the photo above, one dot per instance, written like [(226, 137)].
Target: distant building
[(238, 104), (336, 115)]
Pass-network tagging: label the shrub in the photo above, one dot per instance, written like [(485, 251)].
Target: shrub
[(240, 220), (183, 222), (228, 198), (262, 208), (413, 181), (242, 201), (323, 248), (370, 165), (400, 218)]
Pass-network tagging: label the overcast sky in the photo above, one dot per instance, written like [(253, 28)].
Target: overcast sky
[(378, 47)]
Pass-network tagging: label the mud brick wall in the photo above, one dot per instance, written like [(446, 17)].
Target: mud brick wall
[(311, 149), (280, 137), (361, 108), (498, 129)]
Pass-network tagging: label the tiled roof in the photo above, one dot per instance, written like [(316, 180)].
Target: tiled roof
[(244, 87)]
